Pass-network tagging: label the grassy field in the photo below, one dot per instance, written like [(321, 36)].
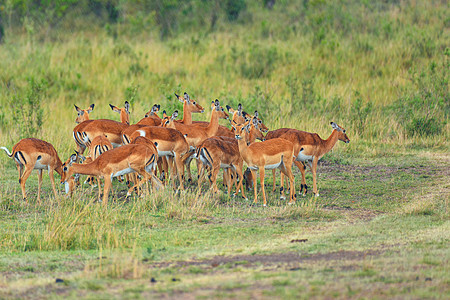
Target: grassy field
[(380, 228)]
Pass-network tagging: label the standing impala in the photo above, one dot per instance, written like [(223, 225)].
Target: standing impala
[(189, 106), (309, 148), (270, 154), (34, 154), (119, 161), (171, 143), (151, 118), (83, 114), (86, 131)]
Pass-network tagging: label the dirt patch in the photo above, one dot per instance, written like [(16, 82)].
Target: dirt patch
[(276, 258)]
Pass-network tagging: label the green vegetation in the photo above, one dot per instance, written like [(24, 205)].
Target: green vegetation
[(380, 228)]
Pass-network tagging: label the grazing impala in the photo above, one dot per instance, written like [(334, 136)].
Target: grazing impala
[(30, 154), (119, 161), (309, 148), (270, 154)]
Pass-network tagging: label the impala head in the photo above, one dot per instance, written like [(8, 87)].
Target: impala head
[(239, 129), (238, 115), (215, 106), (189, 104), (168, 120), (83, 114), (153, 111), (65, 175), (261, 125), (124, 112), (256, 130), (342, 136)]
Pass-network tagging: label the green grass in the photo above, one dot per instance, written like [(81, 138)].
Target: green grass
[(360, 244)]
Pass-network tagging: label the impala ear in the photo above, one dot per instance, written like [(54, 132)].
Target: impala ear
[(217, 104), (227, 106), (240, 108), (335, 126), (73, 158), (245, 115), (127, 107), (175, 114), (158, 106), (164, 114), (186, 97), (256, 114), (77, 108), (114, 108), (91, 108), (255, 121)]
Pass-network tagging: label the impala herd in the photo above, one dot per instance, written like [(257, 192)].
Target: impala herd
[(167, 145)]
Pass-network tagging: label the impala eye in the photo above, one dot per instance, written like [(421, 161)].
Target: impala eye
[(65, 169), (344, 130), (193, 103)]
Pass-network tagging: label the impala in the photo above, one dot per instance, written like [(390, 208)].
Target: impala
[(171, 143), (30, 154), (124, 112), (118, 161), (223, 152), (270, 154), (86, 131), (83, 114), (195, 135), (309, 148), (238, 115), (189, 107), (151, 118)]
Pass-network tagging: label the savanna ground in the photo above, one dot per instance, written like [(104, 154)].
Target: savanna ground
[(380, 228)]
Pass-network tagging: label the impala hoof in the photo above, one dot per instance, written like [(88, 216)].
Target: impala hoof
[(282, 197), (317, 195), (264, 205)]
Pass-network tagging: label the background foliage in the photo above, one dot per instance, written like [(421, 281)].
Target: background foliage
[(380, 69)]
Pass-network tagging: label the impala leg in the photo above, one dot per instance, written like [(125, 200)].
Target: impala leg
[(180, 170), (201, 177), (287, 170), (52, 180), (262, 173), (302, 169), (23, 179), (231, 181), (314, 172), (240, 184), (274, 188), (99, 186), (106, 189), (282, 196), (39, 185), (254, 186), (214, 172)]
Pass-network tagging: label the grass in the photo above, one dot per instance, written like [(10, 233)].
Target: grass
[(360, 244)]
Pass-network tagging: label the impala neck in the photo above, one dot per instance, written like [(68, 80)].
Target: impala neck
[(58, 168), (213, 124), (243, 147), (250, 136), (187, 115), (330, 142)]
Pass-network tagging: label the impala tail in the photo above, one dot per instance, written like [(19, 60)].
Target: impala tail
[(7, 151)]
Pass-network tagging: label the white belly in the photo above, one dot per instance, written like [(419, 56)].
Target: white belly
[(274, 166), (165, 153), (141, 132), (122, 172), (39, 166), (253, 168), (116, 145), (225, 166), (303, 157)]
